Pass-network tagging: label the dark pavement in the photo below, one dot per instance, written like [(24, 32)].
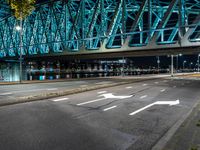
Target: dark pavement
[(100, 119)]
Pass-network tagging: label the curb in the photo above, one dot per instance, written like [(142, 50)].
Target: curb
[(169, 134)]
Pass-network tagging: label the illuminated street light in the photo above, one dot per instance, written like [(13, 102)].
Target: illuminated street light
[(18, 28)]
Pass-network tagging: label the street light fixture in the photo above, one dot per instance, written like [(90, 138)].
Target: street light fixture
[(18, 28)]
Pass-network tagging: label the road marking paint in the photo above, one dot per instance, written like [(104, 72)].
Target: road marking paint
[(144, 85), (170, 103), (52, 89), (100, 99), (129, 87), (156, 82), (163, 90), (105, 96), (104, 82), (8, 93), (106, 109), (102, 92), (144, 96), (61, 99)]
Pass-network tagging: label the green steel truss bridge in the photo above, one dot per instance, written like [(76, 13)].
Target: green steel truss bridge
[(73, 27)]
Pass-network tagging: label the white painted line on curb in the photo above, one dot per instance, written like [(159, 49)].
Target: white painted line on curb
[(2, 94), (52, 89), (106, 109), (61, 99), (129, 87), (100, 99), (163, 90), (102, 92), (144, 96)]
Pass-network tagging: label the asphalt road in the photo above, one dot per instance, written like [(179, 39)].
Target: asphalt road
[(128, 117)]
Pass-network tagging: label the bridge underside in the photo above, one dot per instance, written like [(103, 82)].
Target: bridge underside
[(103, 28)]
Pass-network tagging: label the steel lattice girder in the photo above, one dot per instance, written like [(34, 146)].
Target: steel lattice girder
[(98, 25)]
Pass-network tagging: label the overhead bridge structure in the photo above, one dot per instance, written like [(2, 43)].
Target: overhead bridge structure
[(78, 27)]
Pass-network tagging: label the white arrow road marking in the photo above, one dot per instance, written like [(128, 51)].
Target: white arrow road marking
[(129, 87), (170, 103), (61, 99), (144, 96), (101, 92), (106, 96), (106, 109), (163, 90)]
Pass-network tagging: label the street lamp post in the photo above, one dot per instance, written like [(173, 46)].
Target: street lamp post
[(19, 28), (177, 60), (191, 65), (184, 64), (158, 62), (198, 62), (172, 65)]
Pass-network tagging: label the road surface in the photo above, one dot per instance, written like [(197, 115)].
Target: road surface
[(128, 117)]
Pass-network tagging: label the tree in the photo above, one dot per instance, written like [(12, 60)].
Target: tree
[(21, 8)]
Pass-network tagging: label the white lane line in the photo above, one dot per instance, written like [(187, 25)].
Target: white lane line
[(144, 85), (100, 99), (129, 87), (2, 94), (106, 109), (156, 82), (61, 99), (52, 89), (102, 92), (144, 96), (163, 90)]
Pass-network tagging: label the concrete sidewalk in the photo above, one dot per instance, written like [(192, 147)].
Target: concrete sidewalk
[(187, 137)]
